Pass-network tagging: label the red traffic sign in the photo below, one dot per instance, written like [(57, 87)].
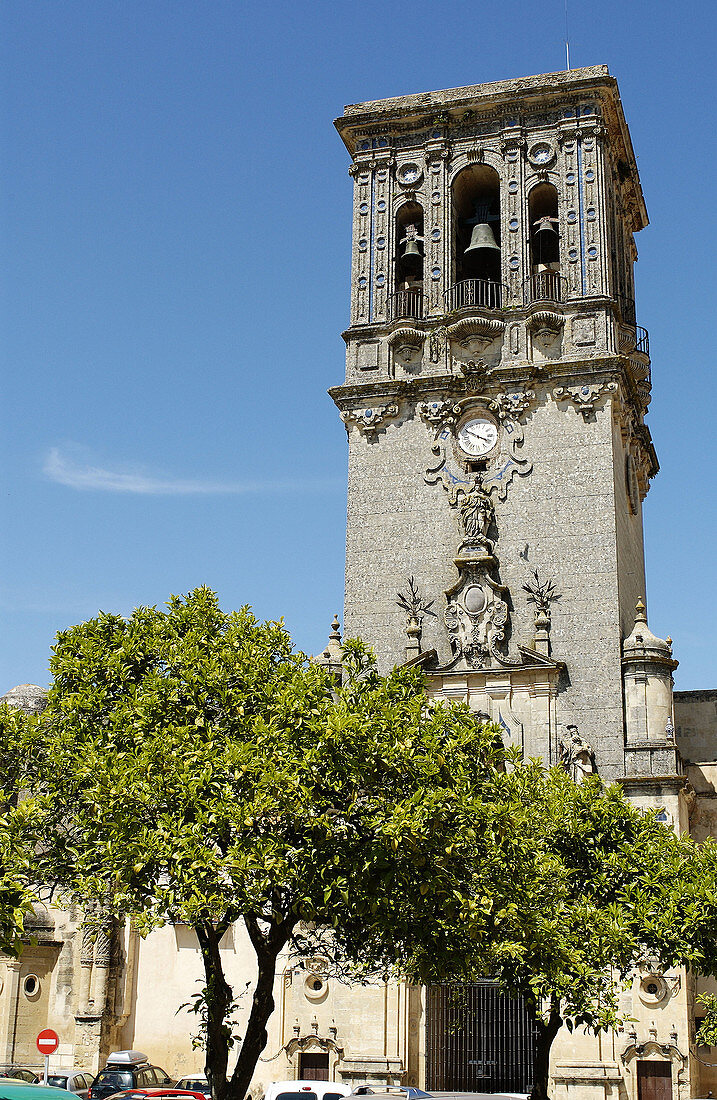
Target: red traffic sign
[(48, 1041)]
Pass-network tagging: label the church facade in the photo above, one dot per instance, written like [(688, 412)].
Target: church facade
[(495, 399)]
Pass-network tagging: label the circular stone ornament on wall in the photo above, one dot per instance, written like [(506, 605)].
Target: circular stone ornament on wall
[(541, 154), (409, 174), (653, 989)]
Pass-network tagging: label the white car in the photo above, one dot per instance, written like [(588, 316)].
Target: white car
[(194, 1082), (306, 1090)]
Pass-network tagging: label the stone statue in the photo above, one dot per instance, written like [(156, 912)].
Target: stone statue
[(577, 757), (476, 511)]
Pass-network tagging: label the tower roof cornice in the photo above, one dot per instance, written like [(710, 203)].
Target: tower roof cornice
[(522, 95)]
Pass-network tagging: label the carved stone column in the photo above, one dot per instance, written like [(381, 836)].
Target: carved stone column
[(101, 970), (86, 958)]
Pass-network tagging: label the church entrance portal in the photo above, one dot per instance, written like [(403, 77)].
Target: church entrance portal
[(478, 1040), (313, 1067), (654, 1080)]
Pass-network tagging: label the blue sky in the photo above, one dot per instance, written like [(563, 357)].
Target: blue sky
[(176, 216)]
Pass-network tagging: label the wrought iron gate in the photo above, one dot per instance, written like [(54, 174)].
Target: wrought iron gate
[(478, 1040)]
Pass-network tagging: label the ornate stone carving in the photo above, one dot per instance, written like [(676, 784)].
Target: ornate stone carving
[(476, 615), (439, 413), (584, 397), (406, 343), (502, 467), (511, 406), (370, 419), (576, 756), (545, 318), (437, 343), (542, 594), (416, 608), (413, 603)]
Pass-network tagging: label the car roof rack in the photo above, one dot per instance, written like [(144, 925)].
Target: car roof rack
[(127, 1058)]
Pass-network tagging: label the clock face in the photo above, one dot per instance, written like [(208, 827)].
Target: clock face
[(478, 436)]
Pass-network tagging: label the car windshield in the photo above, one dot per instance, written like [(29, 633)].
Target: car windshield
[(296, 1096), (117, 1078), (193, 1085), (57, 1081)]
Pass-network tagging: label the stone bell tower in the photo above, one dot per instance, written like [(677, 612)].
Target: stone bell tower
[(495, 397)]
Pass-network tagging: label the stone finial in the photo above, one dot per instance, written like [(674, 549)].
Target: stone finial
[(413, 633), (332, 656), (642, 640)]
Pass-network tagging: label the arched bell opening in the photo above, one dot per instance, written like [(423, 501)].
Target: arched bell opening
[(545, 281), (476, 230), (409, 261)]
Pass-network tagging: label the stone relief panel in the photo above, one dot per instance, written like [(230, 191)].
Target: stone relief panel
[(371, 419), (586, 397)]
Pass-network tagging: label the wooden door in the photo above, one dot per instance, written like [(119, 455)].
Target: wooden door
[(654, 1080), (313, 1067)]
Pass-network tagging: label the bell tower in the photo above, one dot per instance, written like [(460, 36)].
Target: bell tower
[(495, 397)]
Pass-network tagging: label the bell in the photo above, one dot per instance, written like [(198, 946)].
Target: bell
[(545, 225), (411, 249), (482, 237), (412, 241)]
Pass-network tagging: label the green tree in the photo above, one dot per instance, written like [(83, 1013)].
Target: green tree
[(19, 832), (202, 771), (610, 889)]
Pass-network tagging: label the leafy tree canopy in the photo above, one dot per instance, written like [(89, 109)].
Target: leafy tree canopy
[(199, 770), (202, 771)]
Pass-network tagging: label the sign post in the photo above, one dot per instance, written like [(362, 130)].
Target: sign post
[(47, 1043)]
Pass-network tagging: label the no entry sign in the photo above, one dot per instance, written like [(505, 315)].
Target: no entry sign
[(48, 1041)]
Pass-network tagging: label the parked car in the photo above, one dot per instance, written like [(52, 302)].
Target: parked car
[(306, 1090), (154, 1094), (127, 1069), (408, 1092), (12, 1088), (27, 1075), (74, 1080), (195, 1082)]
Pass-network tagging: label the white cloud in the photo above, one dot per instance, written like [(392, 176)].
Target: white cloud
[(80, 474)]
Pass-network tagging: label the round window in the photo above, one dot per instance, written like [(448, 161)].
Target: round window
[(315, 987), (31, 985)]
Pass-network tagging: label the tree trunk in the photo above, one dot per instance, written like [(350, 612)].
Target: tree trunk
[(545, 1032), (255, 1036), (218, 1000)]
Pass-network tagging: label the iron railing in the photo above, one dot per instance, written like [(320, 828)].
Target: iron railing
[(545, 286), (406, 303), (642, 341), (626, 307), (475, 292)]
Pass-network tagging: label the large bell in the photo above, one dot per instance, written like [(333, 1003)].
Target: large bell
[(482, 237), (411, 249), (413, 243)]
